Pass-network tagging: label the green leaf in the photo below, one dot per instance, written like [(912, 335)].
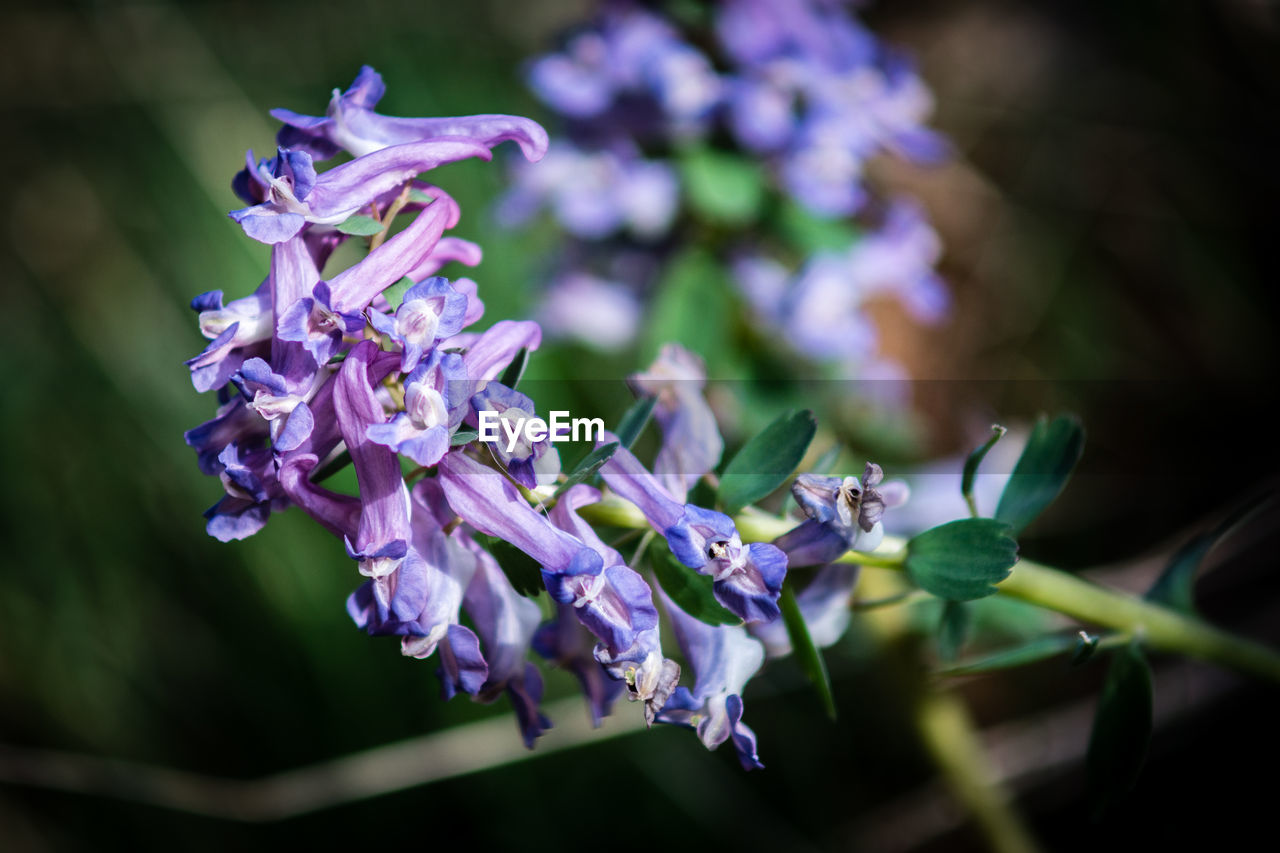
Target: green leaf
[(522, 570), (962, 560), (1176, 583), (634, 420), (463, 436), (953, 629), (811, 234), (515, 370), (333, 466), (589, 465), (702, 494), (766, 461), (1034, 651), (807, 654), (1029, 652), (360, 226), (692, 306), (688, 589), (722, 187), (395, 293), (419, 196), (971, 467), (1042, 471), (1121, 728)]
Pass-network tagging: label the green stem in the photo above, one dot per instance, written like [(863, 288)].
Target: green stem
[(1161, 628), (948, 733)]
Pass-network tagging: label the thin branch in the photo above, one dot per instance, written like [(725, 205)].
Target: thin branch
[(458, 751)]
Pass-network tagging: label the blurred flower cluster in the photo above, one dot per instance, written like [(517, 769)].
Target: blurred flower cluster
[(737, 126), (374, 366)]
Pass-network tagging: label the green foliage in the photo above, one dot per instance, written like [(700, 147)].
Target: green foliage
[(634, 420), (971, 466), (1036, 650), (723, 188), (360, 226), (463, 436), (395, 293), (1042, 471), (692, 307), (810, 233), (515, 370), (1121, 728), (806, 653), (1021, 655), (587, 467), (766, 461), (1174, 588), (962, 560), (691, 591), (333, 466), (953, 629), (522, 570)]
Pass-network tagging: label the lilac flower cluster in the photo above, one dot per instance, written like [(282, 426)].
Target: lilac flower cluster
[(799, 85), (375, 362)]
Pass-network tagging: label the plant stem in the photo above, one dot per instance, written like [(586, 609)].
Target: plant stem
[(1162, 628), (948, 733)]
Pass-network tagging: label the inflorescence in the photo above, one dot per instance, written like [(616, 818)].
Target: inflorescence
[(375, 362), (659, 111)]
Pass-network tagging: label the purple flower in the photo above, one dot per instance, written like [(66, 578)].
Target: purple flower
[(899, 259), (350, 123), (594, 194), (748, 578), (824, 604), (844, 513), (603, 314), (513, 448), (567, 644), (616, 605), (488, 353), (433, 408), (506, 623), (339, 514), (336, 307), (490, 504), (430, 311), (313, 322), (268, 394), (723, 659), (448, 249), (252, 490), (382, 539), (691, 443), (297, 196), (825, 316), (629, 57), (424, 608), (231, 328)]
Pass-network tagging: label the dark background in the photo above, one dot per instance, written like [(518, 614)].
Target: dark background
[(1110, 238)]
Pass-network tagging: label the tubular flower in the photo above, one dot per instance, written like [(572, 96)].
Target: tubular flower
[(844, 513), (321, 367), (748, 578), (723, 659)]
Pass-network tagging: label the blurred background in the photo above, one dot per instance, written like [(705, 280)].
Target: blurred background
[(1108, 237)]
